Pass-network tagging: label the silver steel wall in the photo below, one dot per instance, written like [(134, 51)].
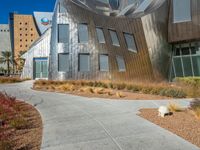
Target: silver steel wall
[(144, 65), (155, 27), (39, 49)]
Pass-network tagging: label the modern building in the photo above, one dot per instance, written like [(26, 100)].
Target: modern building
[(123, 40), (26, 29), (5, 44)]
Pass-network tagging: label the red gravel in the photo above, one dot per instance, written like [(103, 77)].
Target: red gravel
[(183, 124)]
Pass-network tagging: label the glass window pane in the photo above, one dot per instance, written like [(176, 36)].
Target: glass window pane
[(44, 69), (178, 67), (182, 10), (83, 33), (103, 62), (187, 66), (63, 62), (121, 64), (100, 35), (61, 8), (196, 65), (114, 4), (130, 42), (84, 62), (114, 38), (185, 51), (63, 33)]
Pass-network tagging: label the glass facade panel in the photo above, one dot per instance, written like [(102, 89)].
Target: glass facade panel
[(114, 38), (181, 10), (196, 65), (121, 64), (178, 67), (100, 35), (83, 33), (63, 62), (84, 62), (130, 42), (103, 62), (187, 66), (63, 33)]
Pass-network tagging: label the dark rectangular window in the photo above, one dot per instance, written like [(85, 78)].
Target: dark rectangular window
[(82, 33), (182, 10), (63, 62), (114, 38), (103, 62), (84, 62), (63, 33), (130, 42), (100, 35), (121, 64)]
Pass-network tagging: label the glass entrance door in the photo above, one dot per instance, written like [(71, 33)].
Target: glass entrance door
[(40, 68)]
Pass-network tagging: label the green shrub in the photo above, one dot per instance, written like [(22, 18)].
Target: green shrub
[(175, 93)]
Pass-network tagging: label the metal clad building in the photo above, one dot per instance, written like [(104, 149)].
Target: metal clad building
[(124, 40)]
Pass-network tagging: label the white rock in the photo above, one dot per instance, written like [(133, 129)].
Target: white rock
[(162, 111)]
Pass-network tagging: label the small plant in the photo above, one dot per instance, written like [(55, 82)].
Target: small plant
[(173, 107), (195, 106), (120, 95), (5, 145), (19, 123), (197, 112)]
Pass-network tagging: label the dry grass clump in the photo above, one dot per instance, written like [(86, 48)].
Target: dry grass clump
[(174, 107), (120, 95), (9, 80), (195, 107)]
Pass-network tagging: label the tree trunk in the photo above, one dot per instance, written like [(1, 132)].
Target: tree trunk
[(8, 67)]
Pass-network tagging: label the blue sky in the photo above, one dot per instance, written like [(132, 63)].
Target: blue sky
[(23, 7)]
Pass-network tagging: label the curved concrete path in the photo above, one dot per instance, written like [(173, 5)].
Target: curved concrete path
[(79, 123)]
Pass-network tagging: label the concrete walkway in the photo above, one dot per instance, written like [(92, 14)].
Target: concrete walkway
[(79, 123)]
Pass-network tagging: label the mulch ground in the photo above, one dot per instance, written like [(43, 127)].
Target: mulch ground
[(183, 124), (26, 138)]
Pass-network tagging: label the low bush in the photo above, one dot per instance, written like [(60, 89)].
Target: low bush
[(5, 145), (174, 107), (19, 123), (195, 106)]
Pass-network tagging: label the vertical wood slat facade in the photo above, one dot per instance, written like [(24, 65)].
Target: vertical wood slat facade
[(185, 31)]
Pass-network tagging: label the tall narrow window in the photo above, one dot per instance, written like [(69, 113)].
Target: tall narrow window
[(182, 10), (82, 33), (130, 42), (103, 62), (84, 62), (100, 35), (63, 62), (114, 37), (121, 64), (63, 33)]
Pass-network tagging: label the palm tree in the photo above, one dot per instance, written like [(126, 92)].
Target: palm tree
[(6, 58)]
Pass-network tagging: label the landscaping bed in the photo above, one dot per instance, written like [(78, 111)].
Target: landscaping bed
[(11, 80), (20, 125), (184, 123), (132, 90)]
